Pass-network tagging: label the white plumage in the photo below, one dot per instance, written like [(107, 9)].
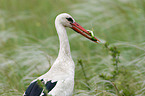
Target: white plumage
[(59, 80)]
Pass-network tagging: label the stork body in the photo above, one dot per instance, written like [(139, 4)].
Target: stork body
[(59, 80)]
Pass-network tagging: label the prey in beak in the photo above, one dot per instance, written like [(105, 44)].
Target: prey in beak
[(88, 34)]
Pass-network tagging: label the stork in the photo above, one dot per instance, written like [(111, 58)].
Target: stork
[(59, 80)]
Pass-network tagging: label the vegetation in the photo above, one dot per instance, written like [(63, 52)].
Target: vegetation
[(29, 45)]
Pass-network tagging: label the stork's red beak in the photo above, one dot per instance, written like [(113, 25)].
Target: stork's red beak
[(78, 28)]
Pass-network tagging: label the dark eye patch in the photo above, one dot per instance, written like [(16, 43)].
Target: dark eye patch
[(70, 19)]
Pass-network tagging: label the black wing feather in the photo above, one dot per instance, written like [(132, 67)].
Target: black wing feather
[(50, 85), (35, 89)]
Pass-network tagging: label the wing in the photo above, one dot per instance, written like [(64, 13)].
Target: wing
[(38, 88)]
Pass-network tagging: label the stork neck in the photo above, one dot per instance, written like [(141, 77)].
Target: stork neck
[(64, 43)]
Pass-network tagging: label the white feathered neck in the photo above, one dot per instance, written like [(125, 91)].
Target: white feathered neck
[(64, 62)]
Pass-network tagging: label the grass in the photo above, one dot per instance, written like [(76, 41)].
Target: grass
[(26, 29)]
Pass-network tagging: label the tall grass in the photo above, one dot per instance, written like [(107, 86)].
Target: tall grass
[(28, 42)]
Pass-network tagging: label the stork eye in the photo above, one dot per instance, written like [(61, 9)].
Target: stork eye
[(70, 19)]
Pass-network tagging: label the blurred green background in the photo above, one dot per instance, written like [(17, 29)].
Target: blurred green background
[(29, 44)]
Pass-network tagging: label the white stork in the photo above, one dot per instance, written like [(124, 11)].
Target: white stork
[(59, 80)]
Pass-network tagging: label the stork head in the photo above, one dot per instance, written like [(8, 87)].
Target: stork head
[(67, 21)]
